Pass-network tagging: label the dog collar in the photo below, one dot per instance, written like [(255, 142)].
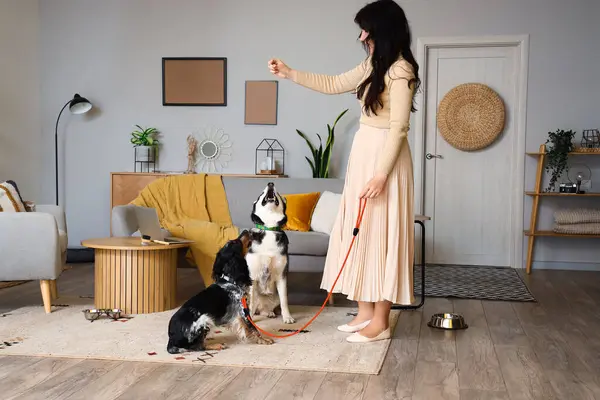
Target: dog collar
[(228, 279), (267, 228)]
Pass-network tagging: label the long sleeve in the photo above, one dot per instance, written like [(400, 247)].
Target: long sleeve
[(332, 84), (400, 100)]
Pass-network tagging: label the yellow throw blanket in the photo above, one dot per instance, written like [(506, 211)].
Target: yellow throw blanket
[(193, 207)]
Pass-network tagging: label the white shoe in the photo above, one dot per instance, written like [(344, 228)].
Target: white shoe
[(353, 328), (358, 338)]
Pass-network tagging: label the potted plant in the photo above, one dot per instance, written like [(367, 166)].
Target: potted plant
[(321, 156), (557, 155), (145, 143)]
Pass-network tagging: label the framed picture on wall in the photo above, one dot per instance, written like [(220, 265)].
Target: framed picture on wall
[(194, 81), (261, 103)]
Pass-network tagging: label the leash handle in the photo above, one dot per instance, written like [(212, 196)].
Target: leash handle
[(361, 211)]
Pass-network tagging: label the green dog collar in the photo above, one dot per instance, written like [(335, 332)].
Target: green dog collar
[(267, 228)]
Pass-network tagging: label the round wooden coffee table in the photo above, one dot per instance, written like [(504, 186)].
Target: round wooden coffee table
[(136, 278)]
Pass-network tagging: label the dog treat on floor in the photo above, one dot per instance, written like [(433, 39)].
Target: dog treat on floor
[(293, 330)]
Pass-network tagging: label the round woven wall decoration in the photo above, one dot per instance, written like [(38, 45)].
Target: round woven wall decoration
[(471, 116)]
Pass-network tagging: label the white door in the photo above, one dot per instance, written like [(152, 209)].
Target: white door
[(468, 194)]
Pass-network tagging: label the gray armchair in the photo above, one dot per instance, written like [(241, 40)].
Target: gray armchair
[(33, 246)]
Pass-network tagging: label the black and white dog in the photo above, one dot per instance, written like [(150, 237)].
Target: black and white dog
[(218, 304), (268, 256)]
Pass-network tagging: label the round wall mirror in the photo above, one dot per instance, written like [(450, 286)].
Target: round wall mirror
[(209, 149), (213, 150)]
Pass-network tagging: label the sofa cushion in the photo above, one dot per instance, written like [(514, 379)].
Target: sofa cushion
[(299, 209), (63, 240), (325, 212), (307, 243), (10, 198)]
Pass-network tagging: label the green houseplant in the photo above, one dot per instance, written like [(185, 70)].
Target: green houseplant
[(145, 142), (321, 156), (557, 155)]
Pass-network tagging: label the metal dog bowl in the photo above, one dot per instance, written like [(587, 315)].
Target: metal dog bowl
[(448, 321)]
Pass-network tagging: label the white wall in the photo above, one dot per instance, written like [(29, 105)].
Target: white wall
[(20, 129), (110, 51)]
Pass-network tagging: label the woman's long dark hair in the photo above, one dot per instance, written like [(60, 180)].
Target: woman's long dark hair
[(388, 29)]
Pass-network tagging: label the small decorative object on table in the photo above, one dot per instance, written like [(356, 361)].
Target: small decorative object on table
[(192, 146), (269, 158), (557, 155), (145, 148)]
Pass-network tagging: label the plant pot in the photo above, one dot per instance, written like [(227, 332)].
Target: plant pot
[(145, 153)]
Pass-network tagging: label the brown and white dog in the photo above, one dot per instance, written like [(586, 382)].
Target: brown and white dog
[(268, 256)]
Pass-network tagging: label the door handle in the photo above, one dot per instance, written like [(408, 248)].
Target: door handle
[(429, 156)]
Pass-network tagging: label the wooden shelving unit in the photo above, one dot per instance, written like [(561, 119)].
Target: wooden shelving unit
[(573, 153), (537, 193), (555, 234), (563, 194)]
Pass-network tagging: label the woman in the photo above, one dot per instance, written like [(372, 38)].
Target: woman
[(379, 269)]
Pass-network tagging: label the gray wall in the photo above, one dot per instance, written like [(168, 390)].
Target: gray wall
[(110, 51), (20, 129)]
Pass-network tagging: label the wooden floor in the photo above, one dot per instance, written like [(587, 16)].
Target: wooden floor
[(545, 350)]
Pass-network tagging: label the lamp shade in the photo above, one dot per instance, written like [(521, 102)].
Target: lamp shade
[(79, 105)]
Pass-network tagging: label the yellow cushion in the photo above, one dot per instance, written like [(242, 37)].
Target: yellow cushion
[(299, 210)]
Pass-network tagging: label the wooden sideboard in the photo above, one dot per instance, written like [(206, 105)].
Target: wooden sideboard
[(126, 186)]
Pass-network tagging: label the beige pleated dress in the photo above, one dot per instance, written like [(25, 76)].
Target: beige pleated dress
[(380, 264)]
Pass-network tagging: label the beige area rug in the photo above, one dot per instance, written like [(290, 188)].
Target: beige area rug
[(7, 284), (66, 333)]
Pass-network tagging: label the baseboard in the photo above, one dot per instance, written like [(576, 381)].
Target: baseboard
[(77, 255), (562, 265)]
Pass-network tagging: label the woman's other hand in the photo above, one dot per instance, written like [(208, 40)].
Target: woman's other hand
[(279, 68), (374, 187)]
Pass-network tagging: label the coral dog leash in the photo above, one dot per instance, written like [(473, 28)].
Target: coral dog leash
[(362, 206)]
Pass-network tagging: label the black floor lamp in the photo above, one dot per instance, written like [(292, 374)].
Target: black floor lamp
[(77, 105)]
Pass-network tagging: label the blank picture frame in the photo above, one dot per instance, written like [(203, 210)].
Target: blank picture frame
[(261, 102), (194, 81)]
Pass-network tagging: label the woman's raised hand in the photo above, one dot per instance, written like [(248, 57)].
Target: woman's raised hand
[(279, 68)]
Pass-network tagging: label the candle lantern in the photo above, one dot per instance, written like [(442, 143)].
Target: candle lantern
[(590, 139), (269, 158)]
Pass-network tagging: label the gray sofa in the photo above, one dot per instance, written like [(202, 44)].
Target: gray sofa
[(307, 250)]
